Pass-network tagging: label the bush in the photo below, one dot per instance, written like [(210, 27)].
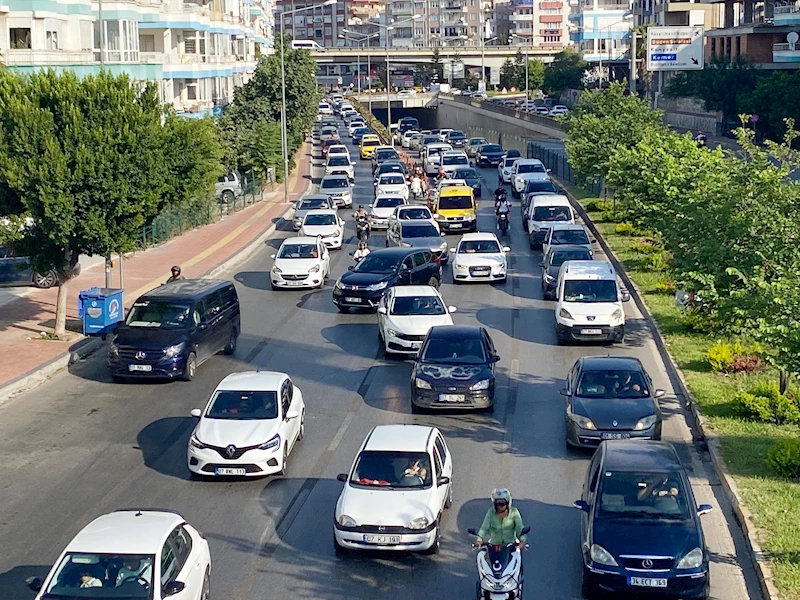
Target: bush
[(784, 458), (599, 205), (646, 246), (745, 363), (608, 216), (655, 262), (765, 403), (667, 287), (624, 229), (720, 356)]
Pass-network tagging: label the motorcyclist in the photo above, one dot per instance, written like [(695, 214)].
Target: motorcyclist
[(361, 218), (499, 193), (361, 252), (502, 525), (502, 205), (176, 274), (701, 139)]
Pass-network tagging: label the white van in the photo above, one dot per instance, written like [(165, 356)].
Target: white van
[(325, 109), (589, 301), (307, 45), (545, 210), (432, 156)]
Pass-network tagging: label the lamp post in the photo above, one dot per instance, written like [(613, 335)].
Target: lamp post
[(483, 59), (527, 60), (285, 144), (626, 17), (388, 28), (369, 64)]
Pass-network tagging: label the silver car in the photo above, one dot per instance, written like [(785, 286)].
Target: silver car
[(338, 188), (313, 202), (562, 234), (418, 234)]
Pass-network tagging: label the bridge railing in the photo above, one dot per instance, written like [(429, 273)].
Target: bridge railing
[(506, 110)]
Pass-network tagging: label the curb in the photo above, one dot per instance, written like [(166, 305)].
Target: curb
[(744, 518)]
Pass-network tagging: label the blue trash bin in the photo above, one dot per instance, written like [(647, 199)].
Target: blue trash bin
[(100, 309)]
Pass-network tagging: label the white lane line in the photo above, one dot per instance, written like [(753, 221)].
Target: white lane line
[(342, 430)]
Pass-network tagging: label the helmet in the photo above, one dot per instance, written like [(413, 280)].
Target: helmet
[(176, 269), (500, 495)]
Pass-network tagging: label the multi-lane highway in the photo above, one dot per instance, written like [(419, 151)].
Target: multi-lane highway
[(79, 446)]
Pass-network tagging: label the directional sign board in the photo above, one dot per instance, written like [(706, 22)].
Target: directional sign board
[(494, 76), (674, 48)]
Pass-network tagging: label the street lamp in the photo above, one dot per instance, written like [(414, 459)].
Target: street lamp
[(625, 17), (388, 28), (527, 60), (364, 38), (284, 134), (483, 59)]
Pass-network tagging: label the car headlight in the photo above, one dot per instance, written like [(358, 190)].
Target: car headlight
[(601, 556), (646, 423), (483, 384), (275, 269), (461, 267), (338, 285), (617, 314), (692, 560), (581, 421), (173, 351), (421, 384), (419, 523), (549, 278), (440, 217), (314, 269), (442, 246), (391, 332), (564, 314), (195, 441), (377, 286), (113, 350), (346, 521), (272, 443)]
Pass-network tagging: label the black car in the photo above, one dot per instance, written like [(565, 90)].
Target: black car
[(17, 270), (173, 328), (471, 176), (489, 154), (551, 265), (454, 370), (640, 526), (383, 155), (360, 132), (513, 154), (610, 398), (390, 166), (363, 285), (533, 188), (457, 139)]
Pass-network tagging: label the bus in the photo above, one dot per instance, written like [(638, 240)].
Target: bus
[(307, 45)]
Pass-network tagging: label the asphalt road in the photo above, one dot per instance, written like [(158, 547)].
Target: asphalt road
[(79, 446)]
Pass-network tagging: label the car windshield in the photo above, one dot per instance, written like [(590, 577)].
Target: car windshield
[(338, 161), (391, 179), (314, 203), (531, 168), (334, 183), (569, 236), (160, 314), (590, 290), (392, 470), (466, 174), (509, 161), (388, 201), (456, 135), (491, 148), (390, 168), (243, 406), (551, 213), (423, 230), (387, 154), (630, 495), (558, 258), (479, 247), (299, 251), (455, 202), (540, 186), (375, 263), (361, 130), (430, 139), (90, 575), (337, 150), (451, 351), (417, 305), (414, 214), (612, 384), (324, 219), (458, 159)]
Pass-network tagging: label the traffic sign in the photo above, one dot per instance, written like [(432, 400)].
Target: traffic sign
[(494, 76), (674, 48)]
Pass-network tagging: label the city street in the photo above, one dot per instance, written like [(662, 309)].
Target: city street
[(79, 446)]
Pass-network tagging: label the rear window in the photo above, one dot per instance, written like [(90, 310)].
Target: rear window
[(531, 168), (314, 203), (552, 213), (561, 256), (455, 160), (422, 230), (388, 202), (387, 154)]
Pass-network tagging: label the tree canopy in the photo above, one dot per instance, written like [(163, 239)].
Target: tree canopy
[(565, 72)]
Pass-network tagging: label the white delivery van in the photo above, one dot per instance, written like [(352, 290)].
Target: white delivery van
[(544, 210)]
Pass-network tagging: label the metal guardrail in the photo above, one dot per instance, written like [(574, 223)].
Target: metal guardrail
[(559, 166), (507, 110)]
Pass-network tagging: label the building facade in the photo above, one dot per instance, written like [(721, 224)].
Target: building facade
[(440, 22), (601, 30), (535, 23)]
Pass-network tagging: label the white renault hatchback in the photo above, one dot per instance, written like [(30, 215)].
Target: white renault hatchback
[(396, 491), (479, 257), (326, 224), (406, 313), (301, 262), (131, 554), (249, 426), (392, 184)]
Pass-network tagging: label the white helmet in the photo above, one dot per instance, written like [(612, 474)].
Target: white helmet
[(500, 495)]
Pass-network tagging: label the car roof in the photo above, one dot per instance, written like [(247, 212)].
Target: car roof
[(403, 207), (414, 290), (126, 532), (315, 197), (455, 331), (478, 236), (334, 177), (416, 223), (588, 269), (411, 438), (567, 226), (323, 211), (396, 252), (640, 455), (551, 200), (610, 363), (455, 190), (300, 239), (184, 289), (454, 153), (452, 182), (253, 381), (379, 148), (529, 161)]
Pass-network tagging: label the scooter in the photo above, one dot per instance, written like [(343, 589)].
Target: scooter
[(499, 571), (502, 222)]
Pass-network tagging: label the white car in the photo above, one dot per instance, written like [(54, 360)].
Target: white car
[(396, 491), (453, 160), (325, 224), (392, 184), (541, 110), (407, 92), (406, 313), (301, 262), (443, 134), (249, 426), (383, 207), (407, 212), (142, 553), (479, 257), (558, 110), (524, 170), (353, 125), (405, 142), (432, 155), (325, 109), (307, 203), (338, 149), (504, 169), (340, 164), (338, 188)]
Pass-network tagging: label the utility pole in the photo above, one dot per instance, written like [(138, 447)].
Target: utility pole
[(634, 74)]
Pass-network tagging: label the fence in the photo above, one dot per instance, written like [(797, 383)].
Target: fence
[(559, 165), (510, 111)]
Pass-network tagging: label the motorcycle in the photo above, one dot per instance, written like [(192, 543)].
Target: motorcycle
[(499, 571), (362, 230), (502, 222)]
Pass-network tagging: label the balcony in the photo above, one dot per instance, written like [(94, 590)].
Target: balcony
[(551, 18), (786, 53), (787, 14), (457, 5), (551, 5), (47, 57)]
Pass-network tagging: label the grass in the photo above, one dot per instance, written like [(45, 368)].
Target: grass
[(773, 501)]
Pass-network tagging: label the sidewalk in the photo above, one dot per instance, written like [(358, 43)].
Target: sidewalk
[(197, 252)]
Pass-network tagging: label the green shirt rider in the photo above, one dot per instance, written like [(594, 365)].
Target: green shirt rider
[(502, 525)]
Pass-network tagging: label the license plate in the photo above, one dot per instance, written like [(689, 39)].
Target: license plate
[(229, 471), (455, 225), (647, 582), (615, 436), (382, 539), (295, 282), (143, 368), (356, 300), (415, 345), (591, 331), (451, 397)]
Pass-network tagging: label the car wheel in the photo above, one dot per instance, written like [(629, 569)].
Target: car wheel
[(285, 465), (231, 347), (190, 368), (228, 196), (206, 594), (449, 500), (343, 309), (302, 432), (338, 548), (45, 281), (437, 543), (433, 282)]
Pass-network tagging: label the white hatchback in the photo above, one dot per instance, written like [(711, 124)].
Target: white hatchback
[(392, 184), (479, 257), (406, 313), (383, 207), (249, 426), (143, 553), (396, 491), (326, 224), (301, 262)]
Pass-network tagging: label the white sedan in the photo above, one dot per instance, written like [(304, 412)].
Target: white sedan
[(479, 257), (504, 169), (406, 313), (383, 207), (249, 426), (301, 262), (392, 184), (326, 224)]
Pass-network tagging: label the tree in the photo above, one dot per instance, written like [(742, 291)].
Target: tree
[(774, 99), (508, 74), (436, 67), (565, 72), (535, 74)]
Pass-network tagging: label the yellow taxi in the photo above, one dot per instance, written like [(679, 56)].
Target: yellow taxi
[(455, 209), (368, 144)]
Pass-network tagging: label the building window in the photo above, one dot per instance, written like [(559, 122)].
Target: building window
[(147, 43), (86, 36), (738, 45), (713, 46), (552, 38), (19, 38), (191, 89)]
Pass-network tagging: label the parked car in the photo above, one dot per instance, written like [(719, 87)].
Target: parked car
[(229, 186), (16, 270), (551, 265), (301, 262), (406, 313)]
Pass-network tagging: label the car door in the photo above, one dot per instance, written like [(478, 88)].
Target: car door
[(589, 496), (385, 302), (405, 276), (204, 341), (491, 352), (220, 321), (444, 453), (422, 268), (546, 243), (393, 233), (174, 566), (192, 572), (289, 404), (325, 258)]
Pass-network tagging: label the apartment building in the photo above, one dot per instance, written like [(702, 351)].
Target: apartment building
[(322, 24), (440, 22), (197, 52), (601, 30), (534, 23)]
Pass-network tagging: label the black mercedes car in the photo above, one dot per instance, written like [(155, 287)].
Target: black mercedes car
[(610, 398), (640, 527), (457, 139), (363, 285), (471, 176), (454, 370), (551, 265), (489, 154), (534, 188)]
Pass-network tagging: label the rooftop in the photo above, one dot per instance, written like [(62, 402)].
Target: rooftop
[(412, 438), (636, 455), (126, 532)]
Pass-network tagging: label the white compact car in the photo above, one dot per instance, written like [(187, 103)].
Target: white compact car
[(432, 157), (392, 184), (396, 491), (340, 164), (301, 262), (504, 169), (338, 188), (147, 554), (479, 257), (405, 142), (325, 224), (406, 313), (558, 110), (249, 426), (524, 170), (353, 125), (337, 149), (383, 207)]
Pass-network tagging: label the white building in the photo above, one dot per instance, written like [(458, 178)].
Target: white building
[(601, 30)]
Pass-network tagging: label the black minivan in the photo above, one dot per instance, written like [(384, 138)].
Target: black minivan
[(173, 328)]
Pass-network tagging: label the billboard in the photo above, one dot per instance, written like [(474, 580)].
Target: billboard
[(674, 48)]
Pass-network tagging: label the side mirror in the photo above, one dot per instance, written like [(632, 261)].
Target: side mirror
[(541, 264), (495, 358), (626, 296), (370, 205), (443, 481), (659, 393), (472, 532), (525, 530), (350, 268), (342, 477), (704, 509), (451, 309), (34, 583), (292, 414), (272, 256), (564, 391), (382, 310), (506, 248), (196, 413), (172, 588), (593, 241), (581, 505), (452, 250)]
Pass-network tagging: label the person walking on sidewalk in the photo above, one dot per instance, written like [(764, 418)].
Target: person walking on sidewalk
[(176, 274)]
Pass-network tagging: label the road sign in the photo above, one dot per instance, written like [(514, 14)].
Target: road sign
[(494, 76), (674, 48)]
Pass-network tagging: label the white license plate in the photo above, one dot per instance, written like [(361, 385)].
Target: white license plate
[(591, 331), (356, 300), (229, 471), (382, 539), (143, 368), (451, 397), (615, 436), (416, 345), (455, 225), (295, 282), (647, 582)]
